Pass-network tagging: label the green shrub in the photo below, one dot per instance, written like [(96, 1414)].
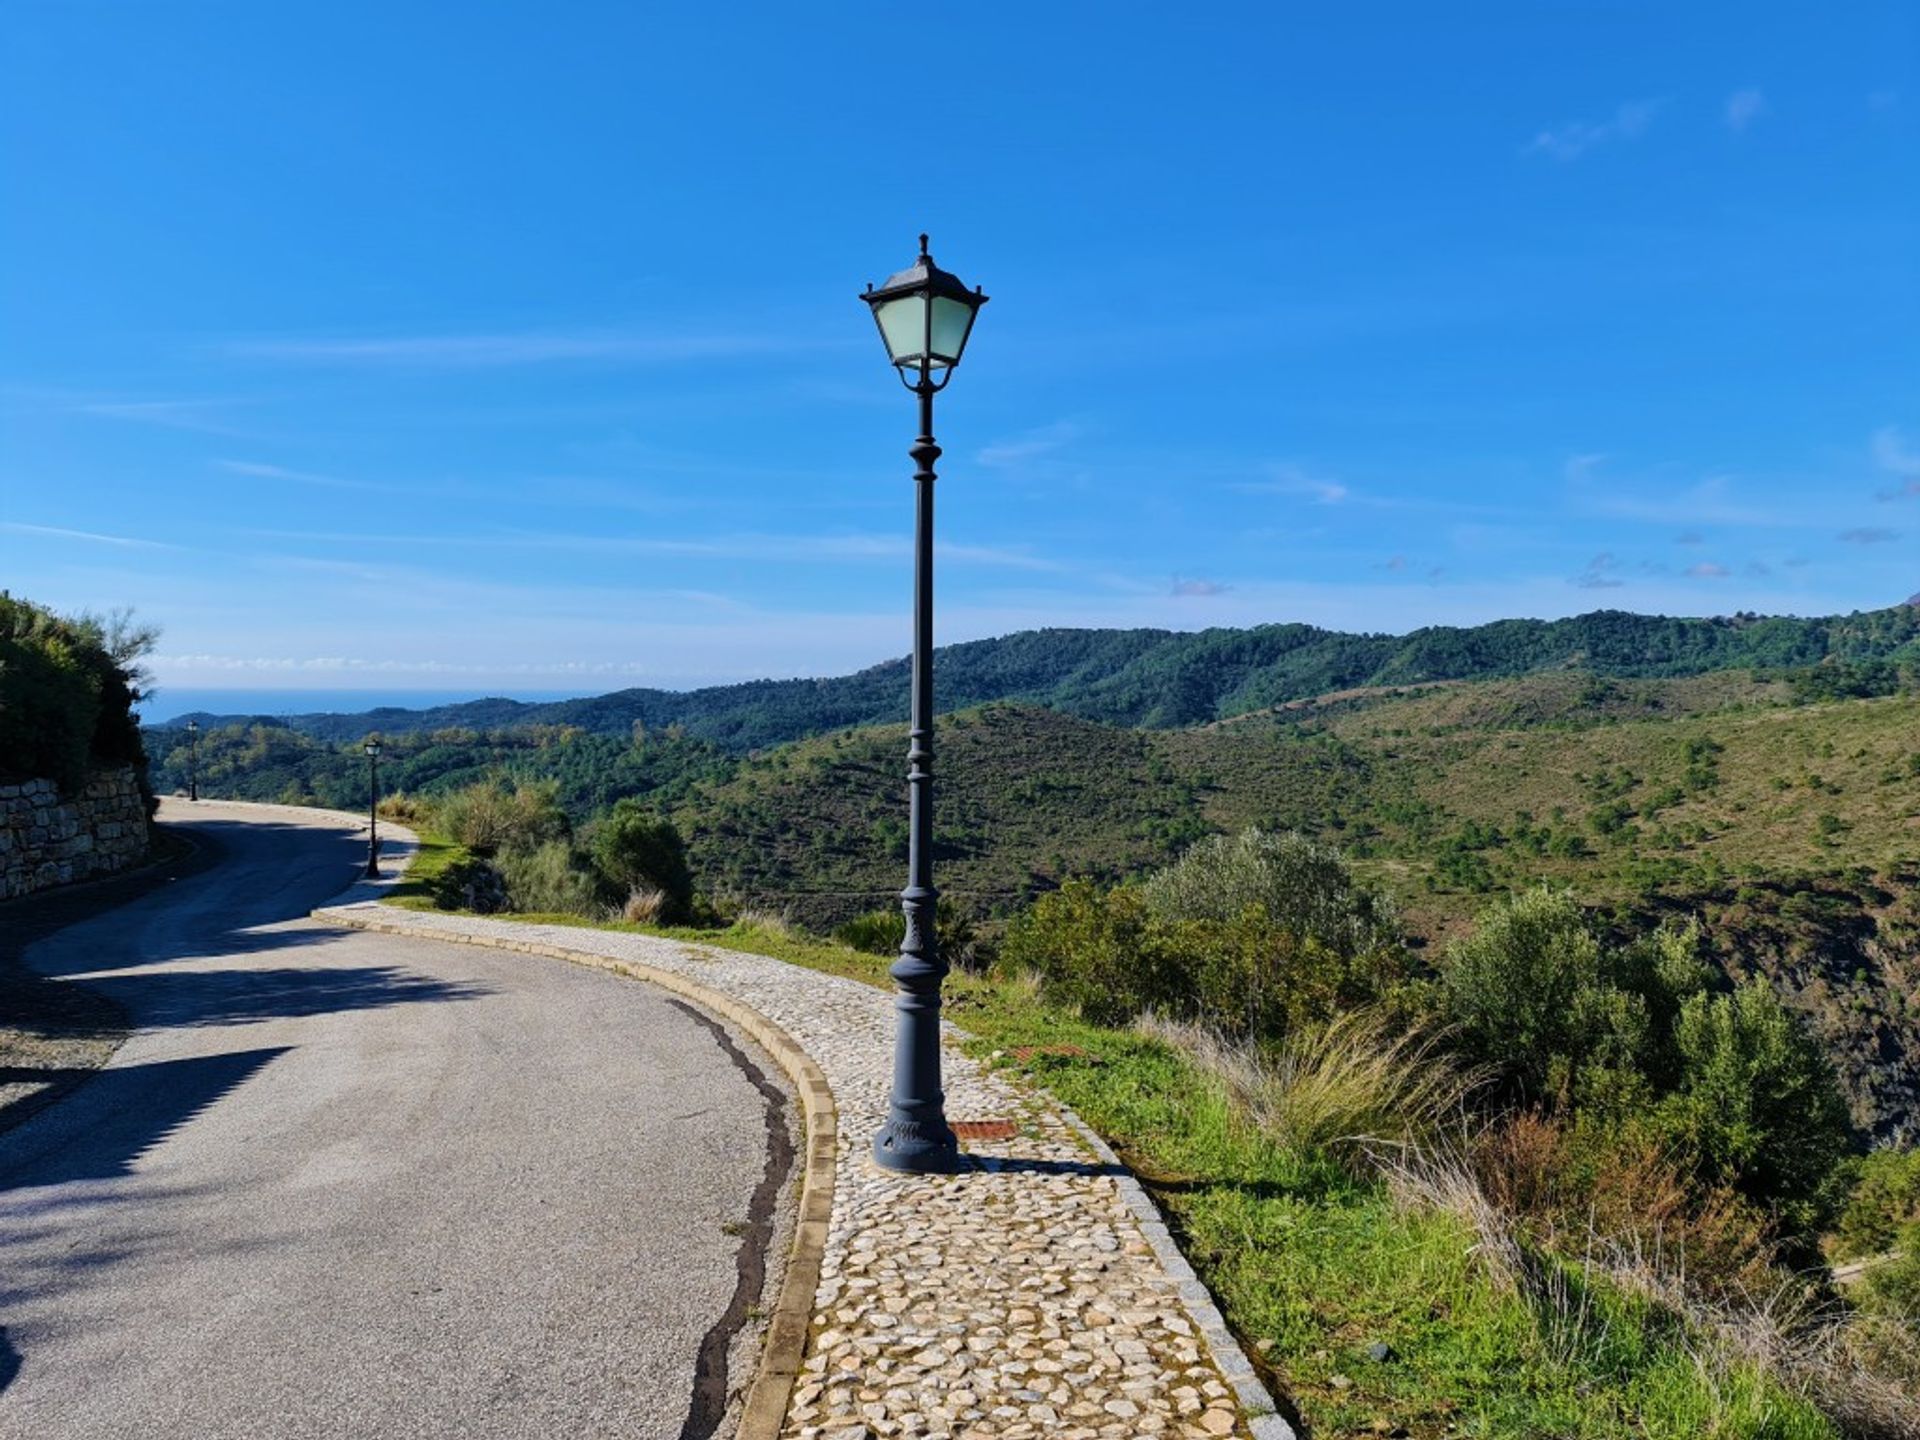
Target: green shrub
[(1090, 950), (1893, 1288), (1534, 992), (67, 692), (882, 932), (552, 878), (491, 816), (471, 884), (636, 849), (1115, 956), (1885, 1198), (1757, 1103), (1305, 889)]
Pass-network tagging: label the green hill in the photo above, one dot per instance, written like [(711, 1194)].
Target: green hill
[(1792, 827), (1162, 679)]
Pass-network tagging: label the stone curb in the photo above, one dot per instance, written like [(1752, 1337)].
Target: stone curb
[(1256, 1403), (789, 1325)]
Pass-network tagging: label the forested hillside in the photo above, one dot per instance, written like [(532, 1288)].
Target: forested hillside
[(1162, 679), (1778, 804), (1792, 825)]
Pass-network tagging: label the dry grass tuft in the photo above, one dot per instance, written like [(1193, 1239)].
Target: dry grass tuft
[(644, 905), (777, 922), (1361, 1084)]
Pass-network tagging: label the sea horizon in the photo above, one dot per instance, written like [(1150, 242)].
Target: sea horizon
[(170, 703)]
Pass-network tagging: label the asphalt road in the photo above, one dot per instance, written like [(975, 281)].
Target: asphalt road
[(345, 1185)]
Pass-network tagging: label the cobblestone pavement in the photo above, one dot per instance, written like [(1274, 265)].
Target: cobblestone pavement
[(1035, 1294)]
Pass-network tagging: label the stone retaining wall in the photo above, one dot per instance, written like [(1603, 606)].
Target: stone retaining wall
[(46, 840)]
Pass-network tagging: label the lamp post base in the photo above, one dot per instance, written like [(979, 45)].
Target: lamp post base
[(373, 867), (913, 1149)]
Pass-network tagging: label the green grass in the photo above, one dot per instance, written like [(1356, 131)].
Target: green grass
[(430, 862), (1312, 1266)]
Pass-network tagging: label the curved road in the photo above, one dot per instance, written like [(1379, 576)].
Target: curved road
[(339, 1184)]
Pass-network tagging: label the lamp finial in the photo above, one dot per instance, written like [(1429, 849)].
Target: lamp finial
[(923, 248)]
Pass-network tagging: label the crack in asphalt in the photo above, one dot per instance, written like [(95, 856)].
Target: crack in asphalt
[(708, 1407)]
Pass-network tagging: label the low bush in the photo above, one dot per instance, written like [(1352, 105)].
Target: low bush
[(1304, 888), (1885, 1199), (552, 879), (1572, 1184), (471, 884), (1565, 1017), (636, 849), (493, 816), (1176, 946), (1757, 1105), (882, 932)]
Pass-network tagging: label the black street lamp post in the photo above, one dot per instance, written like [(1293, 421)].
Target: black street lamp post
[(372, 748), (193, 759), (924, 315)]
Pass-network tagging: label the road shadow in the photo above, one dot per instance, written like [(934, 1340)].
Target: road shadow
[(93, 967), (190, 998), (122, 1113), (246, 878), (9, 1360)]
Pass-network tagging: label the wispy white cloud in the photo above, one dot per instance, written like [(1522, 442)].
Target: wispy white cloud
[(1288, 479), (207, 416), (1193, 588), (774, 549), (1033, 445), (1869, 535), (1570, 141), (1599, 574), (1743, 108), (1713, 501), (1579, 468), (463, 352), (1892, 454), (91, 537), (256, 471), (1707, 570)]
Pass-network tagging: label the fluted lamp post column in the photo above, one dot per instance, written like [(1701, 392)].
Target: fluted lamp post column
[(925, 316), (193, 759), (372, 747)]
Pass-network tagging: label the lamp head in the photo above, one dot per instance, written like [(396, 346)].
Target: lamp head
[(925, 315)]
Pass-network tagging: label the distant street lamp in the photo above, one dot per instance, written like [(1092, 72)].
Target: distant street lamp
[(372, 747), (925, 316), (193, 759)]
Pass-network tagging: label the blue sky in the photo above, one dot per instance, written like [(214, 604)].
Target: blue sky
[(515, 348)]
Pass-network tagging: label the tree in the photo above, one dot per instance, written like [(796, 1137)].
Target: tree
[(636, 848)]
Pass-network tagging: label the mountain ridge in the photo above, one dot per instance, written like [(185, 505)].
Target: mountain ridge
[(1160, 679)]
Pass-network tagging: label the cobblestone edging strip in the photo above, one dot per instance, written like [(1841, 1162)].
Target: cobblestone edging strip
[(1037, 1293)]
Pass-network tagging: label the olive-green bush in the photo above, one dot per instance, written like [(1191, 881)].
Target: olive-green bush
[(1630, 1036), (494, 816), (637, 849), (1253, 935), (67, 691)]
